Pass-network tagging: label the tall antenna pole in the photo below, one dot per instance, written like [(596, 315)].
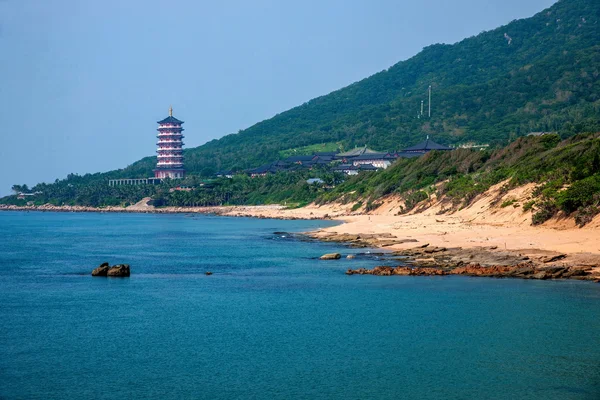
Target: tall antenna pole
[(422, 101), (429, 101)]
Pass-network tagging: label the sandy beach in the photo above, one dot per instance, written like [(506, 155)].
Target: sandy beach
[(485, 223)]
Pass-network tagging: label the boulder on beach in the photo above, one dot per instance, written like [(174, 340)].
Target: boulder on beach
[(120, 270), (102, 270), (331, 256)]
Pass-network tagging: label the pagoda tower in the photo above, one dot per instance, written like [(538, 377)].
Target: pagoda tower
[(170, 148)]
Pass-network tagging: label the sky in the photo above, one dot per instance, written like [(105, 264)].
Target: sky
[(83, 82)]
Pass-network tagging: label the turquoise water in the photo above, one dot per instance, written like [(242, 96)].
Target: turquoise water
[(272, 322)]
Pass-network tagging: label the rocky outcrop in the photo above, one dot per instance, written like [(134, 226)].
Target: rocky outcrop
[(365, 239), (388, 271), (523, 270), (102, 270), (331, 256), (119, 270)]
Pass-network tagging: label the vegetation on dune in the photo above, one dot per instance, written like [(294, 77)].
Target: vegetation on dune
[(568, 174)]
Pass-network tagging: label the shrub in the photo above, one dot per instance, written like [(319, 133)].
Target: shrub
[(508, 202), (581, 194), (546, 210), (528, 205), (414, 198), (372, 206), (586, 214), (357, 206)]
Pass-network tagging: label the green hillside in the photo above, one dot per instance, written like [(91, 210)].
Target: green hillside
[(535, 74)]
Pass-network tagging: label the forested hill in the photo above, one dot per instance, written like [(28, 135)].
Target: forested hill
[(535, 74)]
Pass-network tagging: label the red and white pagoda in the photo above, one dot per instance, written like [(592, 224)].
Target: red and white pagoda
[(170, 148)]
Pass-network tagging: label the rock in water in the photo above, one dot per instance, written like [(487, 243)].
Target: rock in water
[(120, 270), (102, 270), (331, 256), (350, 256)]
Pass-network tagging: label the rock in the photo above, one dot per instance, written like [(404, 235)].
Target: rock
[(522, 271), (331, 256), (407, 241), (101, 270), (382, 271), (121, 270), (540, 275), (549, 259), (572, 272), (360, 271), (555, 272), (422, 246), (350, 256), (208, 273), (384, 243), (402, 271), (385, 235), (434, 250)]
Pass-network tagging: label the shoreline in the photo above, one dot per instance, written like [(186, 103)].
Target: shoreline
[(425, 239)]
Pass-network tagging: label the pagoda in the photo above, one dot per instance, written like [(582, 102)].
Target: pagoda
[(170, 148)]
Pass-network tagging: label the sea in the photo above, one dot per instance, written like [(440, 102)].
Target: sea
[(272, 321)]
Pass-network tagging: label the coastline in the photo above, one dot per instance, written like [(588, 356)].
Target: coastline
[(474, 236)]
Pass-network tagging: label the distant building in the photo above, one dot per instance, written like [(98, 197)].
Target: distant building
[(134, 181), (170, 148), (23, 196), (539, 133), (299, 159), (225, 174), (347, 169), (426, 146), (181, 189), (377, 160)]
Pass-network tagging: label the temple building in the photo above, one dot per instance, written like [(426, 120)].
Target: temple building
[(426, 146), (170, 148)]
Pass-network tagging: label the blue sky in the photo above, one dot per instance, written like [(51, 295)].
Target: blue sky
[(84, 81)]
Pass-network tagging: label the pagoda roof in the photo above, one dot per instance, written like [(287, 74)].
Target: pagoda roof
[(170, 120), (427, 145)]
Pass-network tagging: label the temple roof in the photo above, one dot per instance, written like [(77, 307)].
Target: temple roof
[(299, 158), (356, 152), (427, 145), (170, 120)]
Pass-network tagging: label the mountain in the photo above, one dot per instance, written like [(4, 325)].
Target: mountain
[(534, 74)]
